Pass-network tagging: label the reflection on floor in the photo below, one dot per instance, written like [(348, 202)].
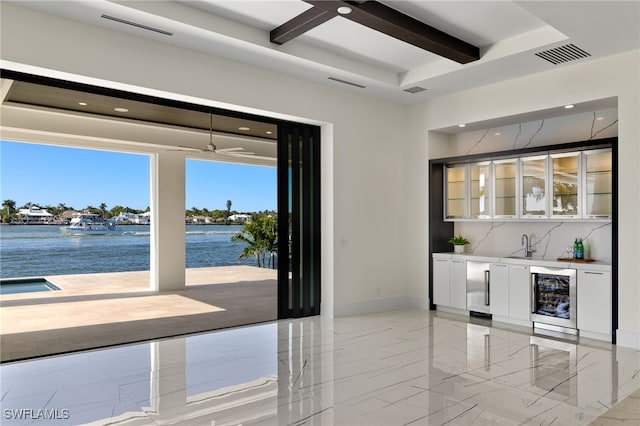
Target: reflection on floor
[(98, 310), (403, 367)]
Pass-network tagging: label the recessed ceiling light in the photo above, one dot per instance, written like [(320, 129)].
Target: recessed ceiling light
[(244, 128), (497, 133), (82, 103), (344, 10), (462, 125), (569, 106), (599, 118), (119, 109)]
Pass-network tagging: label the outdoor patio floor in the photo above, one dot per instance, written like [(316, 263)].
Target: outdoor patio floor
[(98, 310)]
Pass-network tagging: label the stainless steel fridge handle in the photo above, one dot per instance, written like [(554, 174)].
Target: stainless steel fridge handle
[(533, 292), (487, 287)]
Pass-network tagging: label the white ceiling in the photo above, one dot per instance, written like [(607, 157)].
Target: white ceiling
[(508, 34)]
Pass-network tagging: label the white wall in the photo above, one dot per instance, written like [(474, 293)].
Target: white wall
[(616, 76), (363, 249)]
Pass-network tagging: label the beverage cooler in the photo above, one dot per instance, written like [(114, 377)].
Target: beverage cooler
[(553, 298)]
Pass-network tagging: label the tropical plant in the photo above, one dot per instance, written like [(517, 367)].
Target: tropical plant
[(103, 210), (226, 220), (260, 238), (9, 207), (458, 241)]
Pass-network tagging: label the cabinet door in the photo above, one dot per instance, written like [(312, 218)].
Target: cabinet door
[(519, 292), (594, 301), (566, 195), (458, 283), (534, 187), (456, 191), (441, 282), (597, 183), (499, 289), (480, 190), (505, 187)]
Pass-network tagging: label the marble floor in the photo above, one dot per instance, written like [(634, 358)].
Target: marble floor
[(404, 367)]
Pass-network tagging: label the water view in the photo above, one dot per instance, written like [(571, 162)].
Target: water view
[(37, 250)]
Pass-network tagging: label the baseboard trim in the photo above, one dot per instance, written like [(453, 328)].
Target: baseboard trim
[(370, 307), (627, 338)]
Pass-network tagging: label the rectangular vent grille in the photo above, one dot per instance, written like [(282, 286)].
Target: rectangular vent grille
[(137, 25), (562, 54), (347, 82), (415, 89)]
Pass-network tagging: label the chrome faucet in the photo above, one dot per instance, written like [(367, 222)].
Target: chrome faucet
[(525, 244)]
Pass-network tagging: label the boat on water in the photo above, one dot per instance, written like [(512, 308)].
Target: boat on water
[(89, 224)]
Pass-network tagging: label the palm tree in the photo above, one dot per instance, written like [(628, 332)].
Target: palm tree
[(226, 220), (9, 206), (260, 237), (103, 210)]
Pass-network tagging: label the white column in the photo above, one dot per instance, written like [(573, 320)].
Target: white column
[(167, 221)]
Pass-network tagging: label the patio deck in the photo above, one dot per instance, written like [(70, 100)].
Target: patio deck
[(98, 310)]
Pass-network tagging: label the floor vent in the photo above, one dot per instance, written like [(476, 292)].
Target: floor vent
[(347, 82), (137, 25), (415, 89), (562, 54)]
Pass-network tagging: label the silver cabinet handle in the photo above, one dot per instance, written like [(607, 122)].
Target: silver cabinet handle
[(487, 286), (593, 273)]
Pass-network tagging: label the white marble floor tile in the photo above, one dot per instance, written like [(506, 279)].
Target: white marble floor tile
[(405, 367)]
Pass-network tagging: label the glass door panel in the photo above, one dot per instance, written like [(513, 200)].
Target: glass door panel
[(505, 188), (298, 221), (456, 190), (566, 199), (534, 187), (480, 200), (598, 184)]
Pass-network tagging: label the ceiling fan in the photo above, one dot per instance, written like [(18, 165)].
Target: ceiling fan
[(212, 149)]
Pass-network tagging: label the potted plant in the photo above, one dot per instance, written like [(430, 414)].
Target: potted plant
[(458, 243)]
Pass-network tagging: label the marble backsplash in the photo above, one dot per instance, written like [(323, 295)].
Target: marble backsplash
[(549, 239)]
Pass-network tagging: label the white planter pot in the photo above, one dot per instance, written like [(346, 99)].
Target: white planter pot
[(458, 249)]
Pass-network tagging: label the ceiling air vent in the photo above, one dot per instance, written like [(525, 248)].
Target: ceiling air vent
[(347, 82), (415, 89), (562, 54), (137, 25)]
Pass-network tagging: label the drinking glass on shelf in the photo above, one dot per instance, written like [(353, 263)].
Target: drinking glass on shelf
[(570, 252)]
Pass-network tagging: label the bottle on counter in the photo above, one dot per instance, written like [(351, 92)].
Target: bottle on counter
[(579, 253), (575, 249)]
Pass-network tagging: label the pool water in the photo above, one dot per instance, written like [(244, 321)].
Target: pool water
[(26, 286)]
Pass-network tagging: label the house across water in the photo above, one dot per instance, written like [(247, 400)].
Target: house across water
[(34, 215)]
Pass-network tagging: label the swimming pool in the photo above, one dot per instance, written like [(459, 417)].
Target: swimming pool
[(25, 285)]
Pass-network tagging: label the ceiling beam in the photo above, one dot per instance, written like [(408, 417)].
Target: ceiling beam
[(299, 25), (389, 21)]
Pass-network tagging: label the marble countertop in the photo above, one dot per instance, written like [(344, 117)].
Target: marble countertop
[(531, 261)]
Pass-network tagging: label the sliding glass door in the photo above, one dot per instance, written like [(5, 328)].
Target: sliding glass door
[(298, 220)]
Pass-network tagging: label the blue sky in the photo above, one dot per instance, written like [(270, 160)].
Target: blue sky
[(44, 175)]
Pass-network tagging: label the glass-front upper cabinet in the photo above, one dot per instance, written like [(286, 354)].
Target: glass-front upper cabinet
[(456, 191), (598, 184), (480, 190), (534, 187), (506, 173), (566, 185)]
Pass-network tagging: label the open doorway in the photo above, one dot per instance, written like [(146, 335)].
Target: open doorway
[(171, 132)]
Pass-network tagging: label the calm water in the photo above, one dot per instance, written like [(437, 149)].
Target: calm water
[(37, 250)]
